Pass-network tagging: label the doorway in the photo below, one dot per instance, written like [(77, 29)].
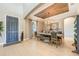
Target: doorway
[(34, 28), (69, 32)]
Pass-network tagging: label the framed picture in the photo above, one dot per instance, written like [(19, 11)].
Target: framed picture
[(55, 26)]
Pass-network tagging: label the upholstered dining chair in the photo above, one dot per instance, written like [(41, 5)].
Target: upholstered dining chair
[(37, 36), (54, 39), (46, 39)]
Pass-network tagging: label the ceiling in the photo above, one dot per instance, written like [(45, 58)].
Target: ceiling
[(53, 10), (21, 9), (28, 7), (73, 10), (25, 8)]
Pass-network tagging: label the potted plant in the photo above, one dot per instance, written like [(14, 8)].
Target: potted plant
[(1, 27)]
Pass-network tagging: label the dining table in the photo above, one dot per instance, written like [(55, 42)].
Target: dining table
[(44, 34)]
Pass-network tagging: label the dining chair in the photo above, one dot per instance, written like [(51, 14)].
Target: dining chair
[(54, 39), (37, 36), (46, 39)]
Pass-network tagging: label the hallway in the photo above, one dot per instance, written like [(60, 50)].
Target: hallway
[(33, 47)]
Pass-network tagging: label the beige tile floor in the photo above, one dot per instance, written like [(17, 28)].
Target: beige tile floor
[(34, 47)]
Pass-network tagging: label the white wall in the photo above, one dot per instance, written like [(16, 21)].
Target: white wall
[(12, 9), (27, 29), (69, 27), (59, 21)]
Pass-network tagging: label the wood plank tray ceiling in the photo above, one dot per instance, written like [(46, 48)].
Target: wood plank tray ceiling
[(53, 10)]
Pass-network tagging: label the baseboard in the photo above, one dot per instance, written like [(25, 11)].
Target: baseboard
[(1, 44), (26, 39), (69, 38), (4, 45)]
